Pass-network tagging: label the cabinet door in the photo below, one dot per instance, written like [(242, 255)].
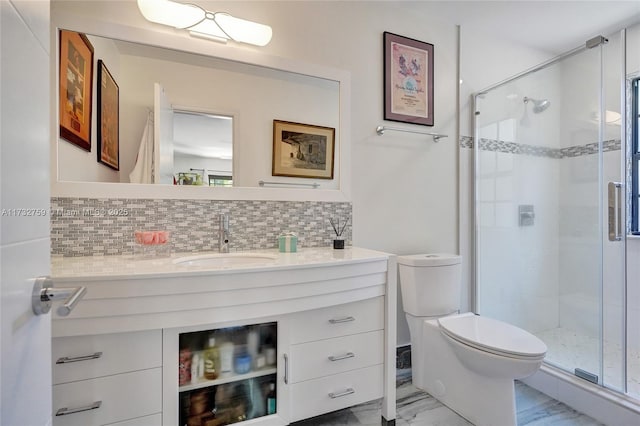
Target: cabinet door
[(250, 391)]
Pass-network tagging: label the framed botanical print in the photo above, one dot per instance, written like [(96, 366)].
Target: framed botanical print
[(75, 85), (408, 80)]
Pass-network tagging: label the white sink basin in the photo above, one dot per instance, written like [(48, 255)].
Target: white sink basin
[(226, 260)]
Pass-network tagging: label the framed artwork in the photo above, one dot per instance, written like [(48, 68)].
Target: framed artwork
[(302, 150), (76, 73), (408, 80), (108, 118)]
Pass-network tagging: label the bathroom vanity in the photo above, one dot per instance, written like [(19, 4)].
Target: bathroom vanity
[(265, 337)]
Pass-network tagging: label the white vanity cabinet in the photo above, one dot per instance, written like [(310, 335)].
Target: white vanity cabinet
[(326, 321)]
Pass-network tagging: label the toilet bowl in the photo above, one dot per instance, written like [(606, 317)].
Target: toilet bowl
[(493, 348), (466, 361)]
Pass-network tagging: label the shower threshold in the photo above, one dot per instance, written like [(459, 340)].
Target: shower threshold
[(569, 349)]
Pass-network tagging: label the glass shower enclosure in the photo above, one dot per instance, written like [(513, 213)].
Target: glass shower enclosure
[(549, 216)]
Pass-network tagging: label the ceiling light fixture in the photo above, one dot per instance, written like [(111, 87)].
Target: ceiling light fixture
[(218, 26)]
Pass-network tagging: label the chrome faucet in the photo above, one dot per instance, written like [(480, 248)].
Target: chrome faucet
[(223, 233)]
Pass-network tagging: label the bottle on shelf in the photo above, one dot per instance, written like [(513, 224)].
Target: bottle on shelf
[(184, 366), (226, 346), (226, 359), (211, 359), (197, 367), (271, 399), (253, 341)]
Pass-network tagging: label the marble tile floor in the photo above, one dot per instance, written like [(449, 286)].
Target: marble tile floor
[(417, 408)]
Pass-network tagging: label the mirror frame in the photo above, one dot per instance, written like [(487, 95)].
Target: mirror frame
[(177, 41)]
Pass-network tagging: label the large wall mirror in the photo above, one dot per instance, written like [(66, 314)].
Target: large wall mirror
[(222, 107)]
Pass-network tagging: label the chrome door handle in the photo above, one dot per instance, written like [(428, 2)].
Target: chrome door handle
[(66, 411), (614, 209), (340, 320), (339, 357), (44, 294)]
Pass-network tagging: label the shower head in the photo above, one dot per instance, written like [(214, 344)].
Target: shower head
[(538, 105)]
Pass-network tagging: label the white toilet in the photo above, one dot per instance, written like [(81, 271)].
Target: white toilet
[(468, 362)]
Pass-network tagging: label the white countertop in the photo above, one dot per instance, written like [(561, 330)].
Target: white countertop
[(130, 266)]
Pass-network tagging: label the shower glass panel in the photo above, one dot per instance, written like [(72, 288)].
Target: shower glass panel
[(539, 208)]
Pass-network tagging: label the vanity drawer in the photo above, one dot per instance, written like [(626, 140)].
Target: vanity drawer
[(337, 355), (87, 357), (331, 393), (122, 396), (339, 320)]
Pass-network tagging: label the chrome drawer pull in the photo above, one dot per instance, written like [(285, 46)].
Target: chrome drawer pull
[(67, 411), (66, 359), (286, 369), (339, 320), (339, 357), (349, 391)]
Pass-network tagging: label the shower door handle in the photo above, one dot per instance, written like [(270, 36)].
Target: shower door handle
[(614, 209)]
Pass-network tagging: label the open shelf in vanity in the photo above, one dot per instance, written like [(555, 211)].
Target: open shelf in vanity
[(227, 375)]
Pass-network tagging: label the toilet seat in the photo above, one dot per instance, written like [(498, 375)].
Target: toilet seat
[(493, 336)]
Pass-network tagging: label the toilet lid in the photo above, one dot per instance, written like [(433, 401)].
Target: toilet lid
[(493, 336)]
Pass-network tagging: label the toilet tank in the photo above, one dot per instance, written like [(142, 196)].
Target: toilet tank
[(430, 283)]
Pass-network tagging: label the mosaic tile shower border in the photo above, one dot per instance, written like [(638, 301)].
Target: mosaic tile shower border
[(89, 227), (540, 151)]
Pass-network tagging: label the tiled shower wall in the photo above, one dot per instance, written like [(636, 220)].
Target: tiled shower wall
[(549, 258), (89, 227)]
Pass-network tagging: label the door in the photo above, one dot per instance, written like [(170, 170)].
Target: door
[(24, 201), (162, 136)]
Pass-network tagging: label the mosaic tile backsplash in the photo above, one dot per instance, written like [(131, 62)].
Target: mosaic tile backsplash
[(89, 227)]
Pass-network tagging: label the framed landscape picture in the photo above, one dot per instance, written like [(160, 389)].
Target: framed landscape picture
[(108, 118), (408, 80), (75, 85), (302, 150)]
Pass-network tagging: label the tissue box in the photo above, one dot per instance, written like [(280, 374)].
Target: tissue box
[(288, 243)]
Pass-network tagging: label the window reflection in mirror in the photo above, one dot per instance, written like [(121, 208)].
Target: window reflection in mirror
[(202, 148)]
